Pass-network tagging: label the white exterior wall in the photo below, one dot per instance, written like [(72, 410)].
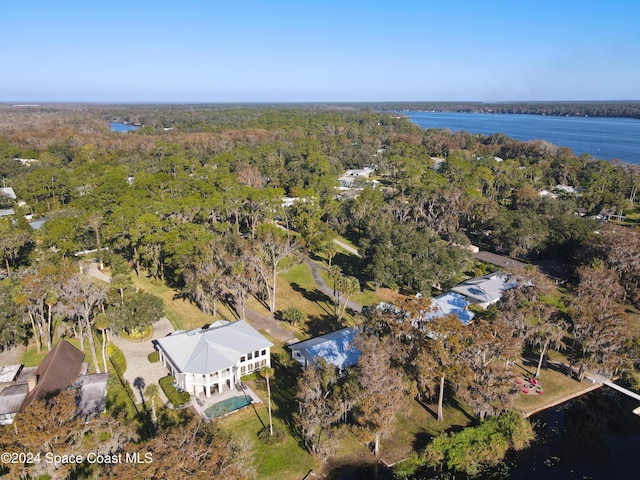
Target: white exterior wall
[(248, 365), (196, 383)]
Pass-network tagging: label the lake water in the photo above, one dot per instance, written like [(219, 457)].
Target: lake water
[(596, 436), (121, 127), (603, 138)]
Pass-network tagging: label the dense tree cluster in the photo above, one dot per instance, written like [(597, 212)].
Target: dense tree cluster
[(110, 446), (572, 109), (195, 198)]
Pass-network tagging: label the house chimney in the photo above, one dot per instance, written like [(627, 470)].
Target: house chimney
[(31, 382)]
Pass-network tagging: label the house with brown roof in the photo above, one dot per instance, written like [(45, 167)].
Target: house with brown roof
[(62, 368), (56, 373)]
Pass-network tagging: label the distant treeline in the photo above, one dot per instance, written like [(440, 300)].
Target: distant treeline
[(630, 109)]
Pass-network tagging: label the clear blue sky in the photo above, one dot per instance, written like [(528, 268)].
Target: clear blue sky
[(330, 50)]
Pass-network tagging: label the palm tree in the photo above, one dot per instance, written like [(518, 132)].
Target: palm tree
[(152, 392), (102, 323), (267, 373)]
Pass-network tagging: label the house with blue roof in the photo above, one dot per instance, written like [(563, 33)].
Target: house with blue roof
[(336, 348), (451, 304)]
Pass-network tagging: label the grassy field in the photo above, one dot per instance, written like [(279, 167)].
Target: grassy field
[(369, 296), (556, 386), (181, 312), (287, 460), (416, 425), (283, 461), (296, 288)]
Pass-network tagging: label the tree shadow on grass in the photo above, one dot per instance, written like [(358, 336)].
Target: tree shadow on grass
[(426, 406), (454, 403), (283, 391), (255, 410), (315, 296), (421, 440), (319, 325), (349, 264)]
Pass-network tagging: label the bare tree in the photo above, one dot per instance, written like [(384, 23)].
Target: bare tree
[(599, 323), (81, 298), (383, 388), (204, 278), (317, 406), (270, 248), (440, 354)]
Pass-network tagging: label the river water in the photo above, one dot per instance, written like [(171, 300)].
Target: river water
[(596, 436), (603, 138)]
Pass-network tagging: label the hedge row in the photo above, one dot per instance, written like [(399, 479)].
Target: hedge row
[(175, 397)]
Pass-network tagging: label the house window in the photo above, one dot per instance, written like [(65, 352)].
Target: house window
[(264, 352), (256, 353), (243, 358), (257, 365), (263, 363), (249, 356), (243, 370)]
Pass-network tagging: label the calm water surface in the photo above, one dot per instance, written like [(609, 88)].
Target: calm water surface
[(603, 138), (593, 437), (121, 127)]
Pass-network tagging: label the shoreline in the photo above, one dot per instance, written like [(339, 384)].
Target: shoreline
[(555, 402)]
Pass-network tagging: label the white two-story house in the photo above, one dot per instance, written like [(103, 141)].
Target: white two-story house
[(212, 360)]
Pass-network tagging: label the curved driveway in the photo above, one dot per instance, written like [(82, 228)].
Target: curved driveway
[(140, 372)]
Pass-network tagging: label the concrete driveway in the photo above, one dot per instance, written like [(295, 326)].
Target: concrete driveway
[(140, 372)]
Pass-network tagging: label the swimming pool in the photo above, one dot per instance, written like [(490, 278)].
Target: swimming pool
[(227, 406)]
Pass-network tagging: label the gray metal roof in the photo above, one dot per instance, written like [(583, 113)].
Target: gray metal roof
[(93, 394), (209, 350), (485, 289), (8, 191), (12, 397)]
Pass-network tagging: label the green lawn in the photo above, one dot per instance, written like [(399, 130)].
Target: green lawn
[(369, 296), (297, 288), (287, 460), (181, 312), (346, 241), (555, 384), (416, 424)]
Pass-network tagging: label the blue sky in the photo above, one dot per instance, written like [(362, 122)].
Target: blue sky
[(326, 51)]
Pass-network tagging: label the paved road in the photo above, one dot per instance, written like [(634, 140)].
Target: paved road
[(95, 272), (269, 325), (139, 369), (348, 248), (322, 286)]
